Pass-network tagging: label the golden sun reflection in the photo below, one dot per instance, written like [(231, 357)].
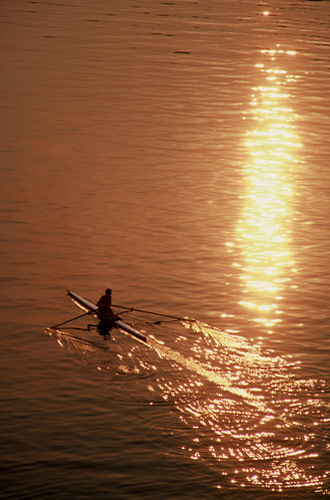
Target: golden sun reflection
[(263, 233)]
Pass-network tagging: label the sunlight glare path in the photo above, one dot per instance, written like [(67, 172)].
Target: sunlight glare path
[(263, 233)]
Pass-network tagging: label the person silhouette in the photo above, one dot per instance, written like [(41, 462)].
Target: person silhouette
[(105, 312)]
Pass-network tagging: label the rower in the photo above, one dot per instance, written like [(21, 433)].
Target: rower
[(104, 312)]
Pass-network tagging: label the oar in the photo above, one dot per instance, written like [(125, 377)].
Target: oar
[(72, 319), (154, 313)]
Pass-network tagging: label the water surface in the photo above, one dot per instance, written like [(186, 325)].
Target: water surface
[(177, 152)]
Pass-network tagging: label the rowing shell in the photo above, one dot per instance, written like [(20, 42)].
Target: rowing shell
[(88, 306)]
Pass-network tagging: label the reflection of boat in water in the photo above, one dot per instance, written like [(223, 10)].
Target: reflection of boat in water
[(92, 308)]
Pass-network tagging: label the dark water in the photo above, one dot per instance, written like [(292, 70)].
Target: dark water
[(179, 153)]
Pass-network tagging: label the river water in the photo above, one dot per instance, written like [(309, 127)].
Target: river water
[(178, 152)]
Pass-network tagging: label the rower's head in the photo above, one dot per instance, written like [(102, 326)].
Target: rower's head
[(108, 291)]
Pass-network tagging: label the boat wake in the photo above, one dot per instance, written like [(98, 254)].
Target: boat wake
[(250, 416)]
